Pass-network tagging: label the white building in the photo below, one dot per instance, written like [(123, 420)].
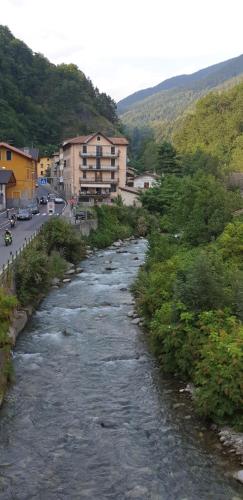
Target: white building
[(145, 180)]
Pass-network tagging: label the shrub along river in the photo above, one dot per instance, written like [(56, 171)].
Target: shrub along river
[(89, 416)]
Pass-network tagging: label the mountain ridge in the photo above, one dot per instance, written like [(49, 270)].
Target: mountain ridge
[(211, 75)]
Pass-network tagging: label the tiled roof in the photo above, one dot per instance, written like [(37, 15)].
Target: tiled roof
[(83, 139), (129, 189), (5, 176), (119, 140), (16, 150)]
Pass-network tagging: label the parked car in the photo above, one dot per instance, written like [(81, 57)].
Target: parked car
[(24, 214), (80, 215), (33, 207), (43, 200), (58, 200)]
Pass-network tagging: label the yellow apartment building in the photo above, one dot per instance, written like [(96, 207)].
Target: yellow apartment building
[(94, 167), (23, 167)]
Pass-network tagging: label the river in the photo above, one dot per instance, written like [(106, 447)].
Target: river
[(89, 416)]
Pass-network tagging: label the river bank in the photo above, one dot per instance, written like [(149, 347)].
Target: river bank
[(90, 415)]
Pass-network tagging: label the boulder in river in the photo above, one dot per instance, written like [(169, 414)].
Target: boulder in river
[(70, 272), (55, 281), (66, 280), (136, 321), (239, 475)]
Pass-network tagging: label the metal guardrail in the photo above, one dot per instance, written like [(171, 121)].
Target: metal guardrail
[(6, 268), (4, 219)]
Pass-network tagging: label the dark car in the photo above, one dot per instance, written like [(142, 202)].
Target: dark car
[(34, 208), (43, 200), (80, 215), (24, 214)]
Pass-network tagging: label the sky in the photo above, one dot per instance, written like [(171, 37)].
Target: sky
[(131, 44)]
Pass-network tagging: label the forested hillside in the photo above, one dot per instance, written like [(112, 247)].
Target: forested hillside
[(190, 289), (205, 78), (41, 103), (216, 127), (163, 110)]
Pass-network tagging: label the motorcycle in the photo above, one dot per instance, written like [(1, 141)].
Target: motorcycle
[(8, 239), (12, 223)]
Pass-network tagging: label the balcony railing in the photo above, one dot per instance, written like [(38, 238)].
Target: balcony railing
[(97, 181), (99, 154), (108, 168), (94, 195)]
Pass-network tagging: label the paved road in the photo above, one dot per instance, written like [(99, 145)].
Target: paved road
[(23, 229)]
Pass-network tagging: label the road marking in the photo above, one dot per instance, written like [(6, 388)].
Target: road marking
[(4, 225)]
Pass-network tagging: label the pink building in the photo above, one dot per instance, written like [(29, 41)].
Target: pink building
[(94, 167)]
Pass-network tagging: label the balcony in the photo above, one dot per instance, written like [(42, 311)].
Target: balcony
[(94, 195), (97, 181), (103, 168), (99, 154)]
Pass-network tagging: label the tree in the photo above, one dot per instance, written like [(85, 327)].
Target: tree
[(162, 197), (167, 159), (203, 208)]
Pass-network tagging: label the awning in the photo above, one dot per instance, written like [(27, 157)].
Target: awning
[(94, 185)]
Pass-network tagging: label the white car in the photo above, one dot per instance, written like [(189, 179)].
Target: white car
[(59, 200)]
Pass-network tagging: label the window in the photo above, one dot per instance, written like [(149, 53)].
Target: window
[(84, 162), (41, 172), (84, 175), (84, 149), (98, 176), (8, 155), (98, 150), (113, 162), (98, 138), (98, 163), (113, 188), (146, 185), (112, 175), (16, 194), (112, 150)]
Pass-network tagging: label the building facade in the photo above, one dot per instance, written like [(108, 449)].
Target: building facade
[(7, 180), (56, 171), (145, 181), (43, 166), (94, 167), (23, 167)]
